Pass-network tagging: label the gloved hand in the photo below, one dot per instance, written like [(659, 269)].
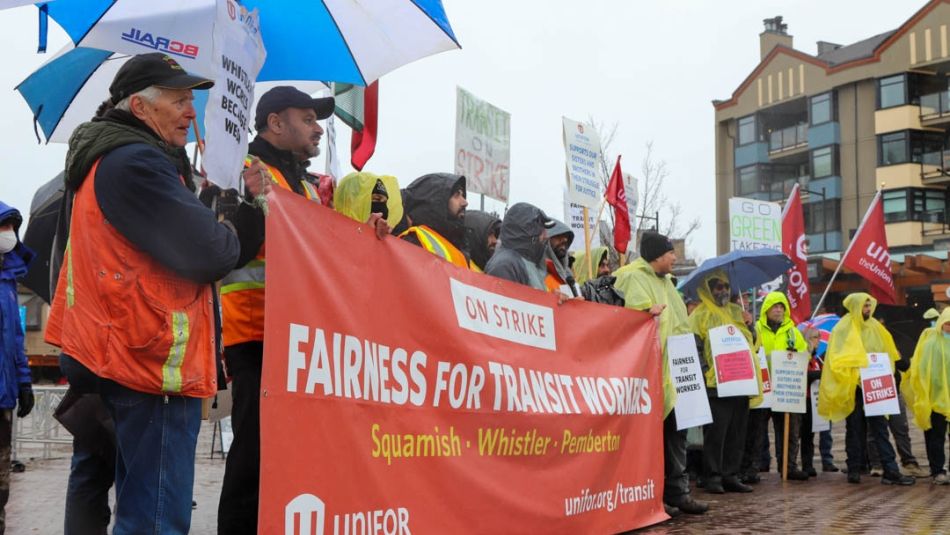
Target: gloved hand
[(26, 400)]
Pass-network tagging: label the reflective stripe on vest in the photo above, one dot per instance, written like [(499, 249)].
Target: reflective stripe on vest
[(171, 370), (251, 276), (433, 242), (278, 178), (70, 287)]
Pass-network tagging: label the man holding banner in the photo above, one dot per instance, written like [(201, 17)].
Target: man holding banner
[(647, 285), (843, 394)]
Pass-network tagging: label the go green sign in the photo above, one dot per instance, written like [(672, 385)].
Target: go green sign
[(754, 224)]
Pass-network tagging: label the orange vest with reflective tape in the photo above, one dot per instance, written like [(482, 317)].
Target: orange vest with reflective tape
[(242, 290), (126, 317), (433, 242)]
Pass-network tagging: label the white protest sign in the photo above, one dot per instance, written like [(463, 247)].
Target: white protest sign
[(733, 362), (754, 224), (692, 404), (766, 381), (633, 202), (574, 217), (789, 381), (877, 385), (818, 424), (237, 58), (482, 145), (582, 152)]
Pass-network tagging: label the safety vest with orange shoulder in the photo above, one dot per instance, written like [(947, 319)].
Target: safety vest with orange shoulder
[(436, 244)]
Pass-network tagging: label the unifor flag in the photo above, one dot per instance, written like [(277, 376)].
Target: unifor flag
[(795, 247), (617, 197), (868, 255)]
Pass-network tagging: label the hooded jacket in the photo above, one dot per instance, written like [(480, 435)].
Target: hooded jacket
[(479, 225), (784, 337), (14, 369), (426, 202), (353, 197), (926, 385), (520, 255), (848, 346), (582, 270), (559, 271)]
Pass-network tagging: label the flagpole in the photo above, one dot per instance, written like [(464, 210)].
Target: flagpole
[(821, 301)]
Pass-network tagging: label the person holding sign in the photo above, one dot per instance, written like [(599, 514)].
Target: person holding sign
[(729, 374), (840, 394), (647, 285), (926, 387)]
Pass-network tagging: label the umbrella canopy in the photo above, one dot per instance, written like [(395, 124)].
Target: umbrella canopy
[(44, 212), (352, 41), (746, 269), (824, 323)]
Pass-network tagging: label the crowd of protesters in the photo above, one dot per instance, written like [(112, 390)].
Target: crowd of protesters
[(159, 302)]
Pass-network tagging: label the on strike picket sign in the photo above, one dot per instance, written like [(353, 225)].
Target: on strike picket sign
[(877, 385), (482, 145), (401, 394), (734, 365)]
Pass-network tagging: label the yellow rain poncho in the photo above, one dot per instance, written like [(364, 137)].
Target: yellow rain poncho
[(926, 385), (642, 289), (709, 315), (353, 196), (848, 347), (581, 269)]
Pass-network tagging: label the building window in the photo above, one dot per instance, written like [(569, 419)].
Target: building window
[(893, 148), (915, 204), (747, 180), (822, 108), (823, 162), (747, 130), (822, 216), (910, 146), (892, 91)]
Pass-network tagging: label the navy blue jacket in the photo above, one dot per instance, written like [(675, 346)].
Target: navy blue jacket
[(14, 369)]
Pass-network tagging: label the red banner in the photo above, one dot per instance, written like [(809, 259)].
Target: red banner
[(401, 395), (868, 255), (794, 246)]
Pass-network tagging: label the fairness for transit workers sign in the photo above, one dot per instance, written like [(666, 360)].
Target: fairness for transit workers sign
[(574, 216), (584, 170), (789, 381), (878, 387), (754, 224), (238, 57), (733, 363), (482, 145), (692, 404), (402, 394)]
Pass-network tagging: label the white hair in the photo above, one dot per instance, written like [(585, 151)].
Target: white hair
[(149, 94)]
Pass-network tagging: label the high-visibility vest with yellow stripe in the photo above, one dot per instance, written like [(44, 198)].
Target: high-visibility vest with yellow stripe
[(242, 291), (433, 242)]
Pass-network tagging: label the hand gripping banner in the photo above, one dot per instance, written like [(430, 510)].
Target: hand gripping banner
[(402, 395)]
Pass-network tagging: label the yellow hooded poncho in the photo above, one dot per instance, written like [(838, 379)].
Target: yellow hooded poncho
[(709, 315), (353, 196), (926, 385), (642, 289), (848, 347), (581, 269)]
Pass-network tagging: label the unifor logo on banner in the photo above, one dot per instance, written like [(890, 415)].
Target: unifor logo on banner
[(306, 515)]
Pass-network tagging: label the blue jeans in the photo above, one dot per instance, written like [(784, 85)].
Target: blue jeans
[(856, 439), (87, 494), (824, 447)]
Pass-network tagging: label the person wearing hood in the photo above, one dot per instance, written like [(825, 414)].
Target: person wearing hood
[(724, 438), (776, 332), (520, 256), (435, 204), (483, 230), (926, 387), (16, 385), (135, 309), (647, 286), (365, 197), (560, 277), (839, 392), (931, 315)]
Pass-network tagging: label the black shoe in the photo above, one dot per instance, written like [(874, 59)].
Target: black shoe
[(750, 478), (897, 478), (734, 485), (797, 475), (830, 467), (811, 471), (714, 486), (764, 468), (673, 512), (690, 506), (854, 477)]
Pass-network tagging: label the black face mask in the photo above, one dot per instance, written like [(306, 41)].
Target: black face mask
[(380, 208)]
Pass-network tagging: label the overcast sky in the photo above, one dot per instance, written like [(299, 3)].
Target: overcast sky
[(651, 66)]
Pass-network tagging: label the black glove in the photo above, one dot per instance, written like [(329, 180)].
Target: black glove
[(26, 400)]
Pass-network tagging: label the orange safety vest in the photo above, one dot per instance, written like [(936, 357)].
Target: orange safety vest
[(126, 317), (242, 290), (433, 242), (552, 281)]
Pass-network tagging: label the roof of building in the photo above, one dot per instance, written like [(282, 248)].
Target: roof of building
[(860, 50)]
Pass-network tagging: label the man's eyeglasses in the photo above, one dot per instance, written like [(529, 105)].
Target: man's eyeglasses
[(721, 286)]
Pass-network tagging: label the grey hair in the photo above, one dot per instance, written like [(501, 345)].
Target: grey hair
[(150, 93)]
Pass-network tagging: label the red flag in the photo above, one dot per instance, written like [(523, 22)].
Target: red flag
[(363, 144), (617, 197), (793, 245), (871, 258)]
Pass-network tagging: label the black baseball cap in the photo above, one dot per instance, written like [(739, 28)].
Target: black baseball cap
[(154, 69), (282, 97)]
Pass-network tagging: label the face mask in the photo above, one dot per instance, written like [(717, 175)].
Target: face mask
[(7, 241), (946, 335), (380, 208)]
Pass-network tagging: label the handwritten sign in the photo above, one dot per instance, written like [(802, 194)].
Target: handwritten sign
[(482, 145)]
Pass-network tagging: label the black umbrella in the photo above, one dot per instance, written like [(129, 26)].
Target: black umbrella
[(40, 231)]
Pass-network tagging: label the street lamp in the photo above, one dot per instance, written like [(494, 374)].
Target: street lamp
[(824, 216)]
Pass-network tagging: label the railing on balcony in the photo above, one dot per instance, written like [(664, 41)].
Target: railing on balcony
[(934, 105), (938, 158), (789, 138)]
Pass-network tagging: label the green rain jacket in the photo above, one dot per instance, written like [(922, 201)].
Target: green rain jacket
[(787, 337)]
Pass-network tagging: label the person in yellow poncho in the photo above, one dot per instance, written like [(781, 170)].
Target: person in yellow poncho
[(926, 387), (647, 285), (361, 195), (724, 438), (840, 395)]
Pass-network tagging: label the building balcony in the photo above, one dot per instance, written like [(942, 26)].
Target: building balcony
[(935, 167), (788, 140), (935, 109)]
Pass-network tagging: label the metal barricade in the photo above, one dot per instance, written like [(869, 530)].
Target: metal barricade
[(40, 427)]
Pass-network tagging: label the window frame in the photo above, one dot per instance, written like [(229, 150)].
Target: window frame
[(906, 93), (833, 149), (755, 130), (832, 108)]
